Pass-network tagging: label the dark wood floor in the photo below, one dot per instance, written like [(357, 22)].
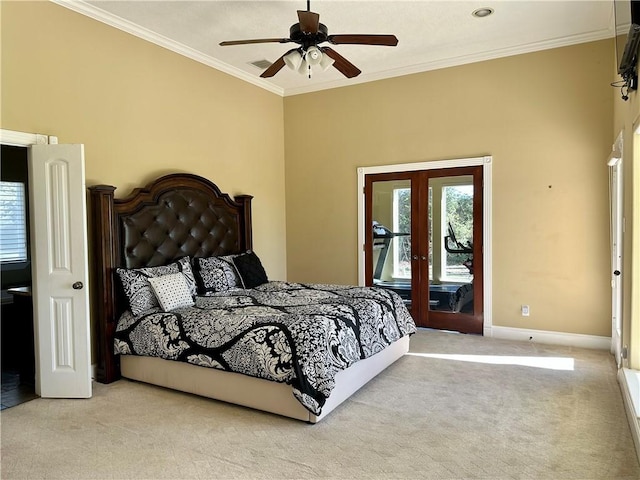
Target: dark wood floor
[(13, 391)]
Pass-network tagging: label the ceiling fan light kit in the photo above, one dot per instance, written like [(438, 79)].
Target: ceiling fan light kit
[(301, 61), (293, 60), (309, 33)]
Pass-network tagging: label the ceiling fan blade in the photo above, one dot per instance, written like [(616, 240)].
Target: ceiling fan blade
[(341, 64), (276, 66), (258, 40), (363, 39), (309, 21)]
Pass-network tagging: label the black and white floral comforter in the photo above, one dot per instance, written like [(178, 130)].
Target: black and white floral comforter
[(300, 334)]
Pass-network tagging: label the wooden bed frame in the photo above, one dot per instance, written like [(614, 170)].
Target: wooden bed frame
[(174, 216)]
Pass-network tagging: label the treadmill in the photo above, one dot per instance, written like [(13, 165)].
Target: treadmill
[(382, 238)]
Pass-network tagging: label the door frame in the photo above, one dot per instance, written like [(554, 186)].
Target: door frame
[(486, 162), (616, 220), (24, 139)]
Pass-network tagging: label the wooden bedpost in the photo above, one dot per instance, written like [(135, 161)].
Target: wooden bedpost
[(246, 234), (103, 291)]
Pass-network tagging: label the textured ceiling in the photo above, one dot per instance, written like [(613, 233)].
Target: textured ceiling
[(431, 34)]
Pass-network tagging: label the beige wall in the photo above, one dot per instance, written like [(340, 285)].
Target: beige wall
[(545, 118), (143, 111), (626, 118)]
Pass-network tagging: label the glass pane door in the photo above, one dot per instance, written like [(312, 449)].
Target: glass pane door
[(391, 225), (450, 221), (425, 243)]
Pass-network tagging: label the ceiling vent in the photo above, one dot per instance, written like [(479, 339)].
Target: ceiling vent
[(261, 64)]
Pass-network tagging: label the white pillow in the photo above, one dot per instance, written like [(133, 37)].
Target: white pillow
[(171, 291)]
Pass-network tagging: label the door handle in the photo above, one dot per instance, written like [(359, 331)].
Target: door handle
[(77, 286), (415, 257), (423, 257), (616, 273)]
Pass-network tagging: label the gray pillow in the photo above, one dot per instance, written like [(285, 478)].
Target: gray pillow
[(136, 285), (216, 274)]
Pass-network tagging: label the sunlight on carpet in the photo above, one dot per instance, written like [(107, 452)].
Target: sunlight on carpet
[(550, 363)]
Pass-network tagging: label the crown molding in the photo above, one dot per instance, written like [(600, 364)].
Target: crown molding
[(456, 61), (80, 6)]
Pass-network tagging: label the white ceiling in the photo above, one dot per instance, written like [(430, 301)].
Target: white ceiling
[(431, 34)]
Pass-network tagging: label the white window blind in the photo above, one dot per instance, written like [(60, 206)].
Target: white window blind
[(13, 222)]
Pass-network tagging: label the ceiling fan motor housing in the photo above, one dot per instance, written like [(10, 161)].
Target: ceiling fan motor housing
[(307, 40)]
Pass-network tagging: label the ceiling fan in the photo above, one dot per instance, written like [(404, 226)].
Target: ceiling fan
[(309, 33)]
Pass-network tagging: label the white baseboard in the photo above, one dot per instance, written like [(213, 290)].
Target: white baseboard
[(630, 386), (545, 336)]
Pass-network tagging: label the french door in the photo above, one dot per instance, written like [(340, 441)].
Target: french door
[(425, 243)]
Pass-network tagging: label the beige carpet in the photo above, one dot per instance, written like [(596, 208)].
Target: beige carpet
[(501, 410)]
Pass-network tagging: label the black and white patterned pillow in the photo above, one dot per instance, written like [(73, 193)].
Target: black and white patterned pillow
[(216, 274), (171, 291), (135, 283), (250, 270)]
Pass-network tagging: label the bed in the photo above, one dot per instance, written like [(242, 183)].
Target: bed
[(297, 350)]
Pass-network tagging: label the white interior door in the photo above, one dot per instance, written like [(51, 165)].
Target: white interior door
[(616, 219), (60, 271)]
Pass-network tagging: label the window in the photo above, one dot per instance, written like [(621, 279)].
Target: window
[(13, 222)]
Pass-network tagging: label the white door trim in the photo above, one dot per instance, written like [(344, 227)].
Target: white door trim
[(486, 163), (616, 205), (632, 334), (22, 139)]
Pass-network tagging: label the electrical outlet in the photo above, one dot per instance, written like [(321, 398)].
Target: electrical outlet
[(525, 310)]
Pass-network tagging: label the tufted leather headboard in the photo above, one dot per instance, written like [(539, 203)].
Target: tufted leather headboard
[(173, 216)]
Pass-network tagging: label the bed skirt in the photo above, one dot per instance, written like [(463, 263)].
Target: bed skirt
[(254, 392)]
